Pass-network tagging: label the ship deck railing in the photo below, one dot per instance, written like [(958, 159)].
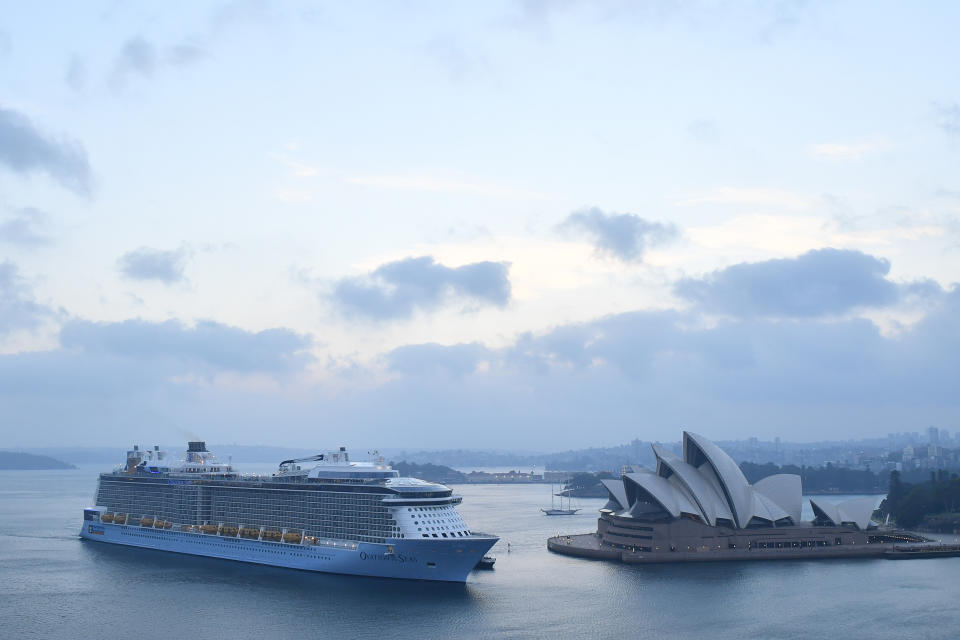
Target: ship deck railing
[(305, 540)]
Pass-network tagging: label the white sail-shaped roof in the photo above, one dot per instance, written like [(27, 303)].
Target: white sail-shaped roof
[(673, 502), (767, 509), (826, 510), (734, 485), (617, 493), (708, 484), (855, 510), (858, 510), (711, 502), (785, 490)]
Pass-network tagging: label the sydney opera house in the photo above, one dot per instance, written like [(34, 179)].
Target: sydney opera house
[(701, 507)]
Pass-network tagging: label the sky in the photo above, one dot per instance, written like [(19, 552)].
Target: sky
[(514, 225)]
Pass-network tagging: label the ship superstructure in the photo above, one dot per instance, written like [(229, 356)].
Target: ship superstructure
[(322, 513)]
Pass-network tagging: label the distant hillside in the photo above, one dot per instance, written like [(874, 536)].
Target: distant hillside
[(826, 479), (429, 472), (592, 459), (28, 461)]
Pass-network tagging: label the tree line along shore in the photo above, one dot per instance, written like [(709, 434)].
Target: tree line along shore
[(17, 461)]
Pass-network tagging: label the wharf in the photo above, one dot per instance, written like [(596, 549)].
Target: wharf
[(589, 545), (924, 551)]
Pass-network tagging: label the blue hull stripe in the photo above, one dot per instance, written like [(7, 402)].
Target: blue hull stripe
[(444, 560)]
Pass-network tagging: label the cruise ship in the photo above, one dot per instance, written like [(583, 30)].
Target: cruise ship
[(321, 513)]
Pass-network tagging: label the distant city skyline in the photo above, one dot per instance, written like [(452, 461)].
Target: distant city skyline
[(490, 225)]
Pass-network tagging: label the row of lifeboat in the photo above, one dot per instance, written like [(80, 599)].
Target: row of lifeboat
[(253, 533), (226, 530), (147, 521)]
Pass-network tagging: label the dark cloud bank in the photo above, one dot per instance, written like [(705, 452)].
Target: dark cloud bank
[(784, 359), (818, 283), (396, 290), (110, 360), (208, 345), (801, 371)]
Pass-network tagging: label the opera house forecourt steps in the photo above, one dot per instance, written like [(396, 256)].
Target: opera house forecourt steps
[(699, 507)]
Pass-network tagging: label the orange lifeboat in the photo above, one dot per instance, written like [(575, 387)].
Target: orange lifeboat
[(106, 517), (146, 522), (293, 536), (247, 532), (120, 518), (209, 528), (228, 531), (168, 525), (274, 536)]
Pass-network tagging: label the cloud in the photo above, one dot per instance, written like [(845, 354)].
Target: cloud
[(428, 360), (137, 56), (398, 289), (139, 379), (208, 345), (153, 264), (639, 374), (24, 149), (948, 118), (622, 235), (817, 283), (18, 309), (21, 228), (646, 374)]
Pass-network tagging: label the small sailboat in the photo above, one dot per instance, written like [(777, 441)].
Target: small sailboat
[(554, 510)]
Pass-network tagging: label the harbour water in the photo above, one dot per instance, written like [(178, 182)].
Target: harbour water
[(56, 586)]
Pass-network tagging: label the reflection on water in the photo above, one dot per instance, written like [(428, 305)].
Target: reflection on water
[(158, 567), (54, 585)]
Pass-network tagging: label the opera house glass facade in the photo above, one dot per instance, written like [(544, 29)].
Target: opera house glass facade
[(699, 506)]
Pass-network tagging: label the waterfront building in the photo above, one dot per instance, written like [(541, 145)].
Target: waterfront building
[(699, 506)]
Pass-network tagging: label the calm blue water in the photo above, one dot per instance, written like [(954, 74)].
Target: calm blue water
[(52, 585)]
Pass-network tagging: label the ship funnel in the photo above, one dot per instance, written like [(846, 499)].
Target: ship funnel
[(197, 447)]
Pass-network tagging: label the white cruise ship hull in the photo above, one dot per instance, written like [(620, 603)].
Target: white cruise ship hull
[(443, 560)]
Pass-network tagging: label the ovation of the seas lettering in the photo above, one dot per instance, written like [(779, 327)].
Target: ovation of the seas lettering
[(389, 557)]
